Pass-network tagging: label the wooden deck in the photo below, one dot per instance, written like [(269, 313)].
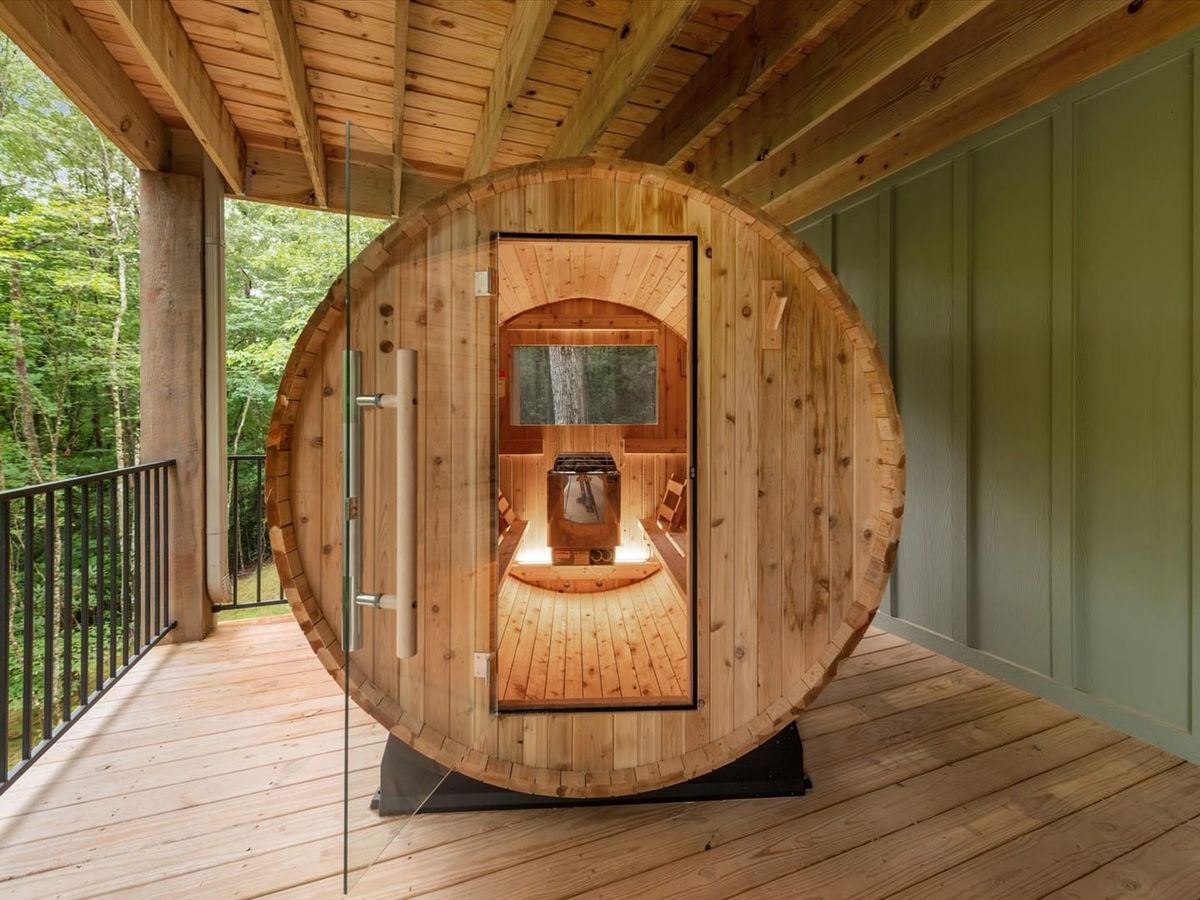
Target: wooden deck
[(213, 770)]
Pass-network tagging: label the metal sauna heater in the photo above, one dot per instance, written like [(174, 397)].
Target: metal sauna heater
[(583, 509)]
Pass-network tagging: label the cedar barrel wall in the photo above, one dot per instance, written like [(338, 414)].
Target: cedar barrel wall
[(799, 491)]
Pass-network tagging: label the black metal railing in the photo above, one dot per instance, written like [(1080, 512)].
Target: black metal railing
[(84, 571), (252, 575)]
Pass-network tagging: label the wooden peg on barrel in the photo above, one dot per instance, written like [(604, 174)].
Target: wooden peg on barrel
[(774, 302)]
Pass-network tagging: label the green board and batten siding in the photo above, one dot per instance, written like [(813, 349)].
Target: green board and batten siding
[(1035, 292)]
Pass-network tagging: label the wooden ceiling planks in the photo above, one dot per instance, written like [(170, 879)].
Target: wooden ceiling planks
[(766, 41), (990, 42), (802, 115), (452, 50), (159, 36), (100, 20), (651, 276), (279, 26)]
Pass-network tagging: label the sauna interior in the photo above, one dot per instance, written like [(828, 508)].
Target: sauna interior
[(594, 368)]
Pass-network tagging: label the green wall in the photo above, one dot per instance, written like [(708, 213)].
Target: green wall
[(1034, 291)]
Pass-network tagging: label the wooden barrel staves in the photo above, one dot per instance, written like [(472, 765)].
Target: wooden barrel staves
[(799, 486)]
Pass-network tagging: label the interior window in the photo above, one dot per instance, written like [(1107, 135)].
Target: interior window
[(572, 384)]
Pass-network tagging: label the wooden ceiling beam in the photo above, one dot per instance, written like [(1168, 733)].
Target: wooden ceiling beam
[(399, 86), (522, 39), (1106, 42), (773, 33), (279, 176), (59, 41), (648, 29), (280, 28), (159, 37), (983, 51), (867, 49)]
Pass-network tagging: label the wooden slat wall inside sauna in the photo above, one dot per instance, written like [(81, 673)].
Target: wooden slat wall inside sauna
[(799, 490)]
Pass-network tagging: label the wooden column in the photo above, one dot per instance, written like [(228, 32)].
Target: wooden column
[(172, 365)]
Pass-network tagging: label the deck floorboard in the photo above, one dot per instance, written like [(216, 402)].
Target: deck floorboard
[(931, 780)]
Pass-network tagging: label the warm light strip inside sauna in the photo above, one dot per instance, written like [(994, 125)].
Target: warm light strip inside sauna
[(626, 553), (533, 555), (632, 553)]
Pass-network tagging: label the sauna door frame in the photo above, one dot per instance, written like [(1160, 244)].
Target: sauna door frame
[(693, 468)]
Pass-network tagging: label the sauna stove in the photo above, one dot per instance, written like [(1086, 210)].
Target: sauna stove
[(583, 509)]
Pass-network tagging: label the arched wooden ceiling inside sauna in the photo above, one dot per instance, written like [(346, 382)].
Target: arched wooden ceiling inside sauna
[(788, 104), (652, 276)]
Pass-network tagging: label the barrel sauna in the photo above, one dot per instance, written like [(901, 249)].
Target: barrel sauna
[(798, 487)]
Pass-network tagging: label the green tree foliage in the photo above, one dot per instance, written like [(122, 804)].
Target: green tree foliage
[(68, 344), (279, 263), (69, 354), (69, 290)]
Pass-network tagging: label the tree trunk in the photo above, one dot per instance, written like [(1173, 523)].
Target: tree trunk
[(567, 385), (114, 372), (114, 346), (33, 445)]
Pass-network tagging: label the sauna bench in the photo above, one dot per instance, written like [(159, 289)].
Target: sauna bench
[(670, 548), (510, 542)]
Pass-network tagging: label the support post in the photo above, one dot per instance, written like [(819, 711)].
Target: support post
[(216, 509), (172, 379)]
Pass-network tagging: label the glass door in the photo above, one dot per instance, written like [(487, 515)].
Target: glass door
[(418, 531)]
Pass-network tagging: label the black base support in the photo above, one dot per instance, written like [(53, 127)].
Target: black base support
[(774, 769)]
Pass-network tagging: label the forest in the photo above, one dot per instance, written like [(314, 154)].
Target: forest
[(69, 290), (69, 376)]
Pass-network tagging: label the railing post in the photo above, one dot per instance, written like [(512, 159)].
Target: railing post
[(27, 632), (68, 604), (5, 637), (139, 590), (126, 572), (114, 597), (48, 618), (85, 625), (160, 522), (235, 562), (100, 557), (258, 526)]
